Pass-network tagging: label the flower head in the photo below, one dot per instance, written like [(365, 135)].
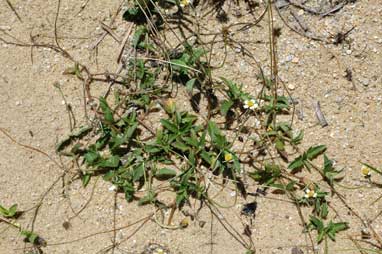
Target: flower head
[(185, 3), (310, 193), (228, 157), (365, 171), (159, 251), (251, 104)]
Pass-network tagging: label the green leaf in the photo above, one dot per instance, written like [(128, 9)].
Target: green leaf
[(279, 144), (225, 107), (180, 66), (180, 145), (317, 223), (85, 179), (77, 134), (191, 141), (148, 198), (334, 228), (296, 164), (216, 137), (314, 151), (138, 35), (10, 212), (3, 211), (169, 125), (91, 157), (111, 162), (165, 173), (190, 85), (30, 237), (324, 210), (138, 172), (297, 138), (108, 113)]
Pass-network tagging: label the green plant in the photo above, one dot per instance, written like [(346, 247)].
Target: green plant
[(10, 212)]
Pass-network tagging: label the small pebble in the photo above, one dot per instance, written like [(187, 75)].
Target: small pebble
[(18, 103), (289, 58), (295, 60), (348, 52), (291, 87), (364, 81), (5, 28)]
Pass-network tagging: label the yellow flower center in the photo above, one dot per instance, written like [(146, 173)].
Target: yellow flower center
[(250, 103), (310, 193), (159, 251), (365, 171), (184, 2), (228, 157)]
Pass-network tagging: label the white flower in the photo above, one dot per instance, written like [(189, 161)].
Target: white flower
[(251, 104), (310, 193), (113, 188)]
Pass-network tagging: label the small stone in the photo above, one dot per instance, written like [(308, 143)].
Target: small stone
[(364, 81), (300, 12), (63, 102), (289, 58), (295, 60), (348, 52), (5, 28), (291, 87), (18, 103), (296, 250)]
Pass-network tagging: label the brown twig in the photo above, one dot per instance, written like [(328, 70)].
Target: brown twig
[(14, 10)]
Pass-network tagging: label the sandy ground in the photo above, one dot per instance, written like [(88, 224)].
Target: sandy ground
[(32, 112)]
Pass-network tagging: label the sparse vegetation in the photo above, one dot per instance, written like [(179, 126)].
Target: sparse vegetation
[(227, 135)]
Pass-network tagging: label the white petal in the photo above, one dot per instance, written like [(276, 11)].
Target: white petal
[(245, 106)]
